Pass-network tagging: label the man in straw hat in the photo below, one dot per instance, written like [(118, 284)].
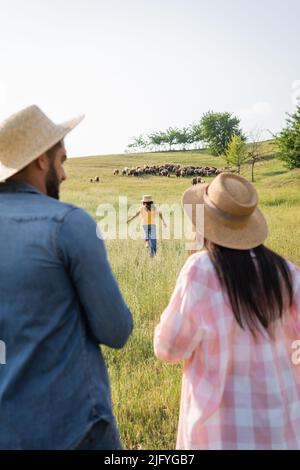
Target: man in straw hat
[(234, 318), (58, 299)]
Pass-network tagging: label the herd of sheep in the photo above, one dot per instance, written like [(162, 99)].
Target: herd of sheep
[(197, 172)]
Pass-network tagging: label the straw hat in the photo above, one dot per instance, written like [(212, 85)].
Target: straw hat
[(147, 198), (25, 136), (231, 216)]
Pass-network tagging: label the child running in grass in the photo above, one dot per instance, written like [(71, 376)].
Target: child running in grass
[(148, 213)]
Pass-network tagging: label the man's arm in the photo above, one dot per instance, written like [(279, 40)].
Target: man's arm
[(84, 256)]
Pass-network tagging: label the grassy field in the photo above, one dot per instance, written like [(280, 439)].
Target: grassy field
[(146, 392)]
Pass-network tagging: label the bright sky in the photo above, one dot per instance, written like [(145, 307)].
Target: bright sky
[(137, 66)]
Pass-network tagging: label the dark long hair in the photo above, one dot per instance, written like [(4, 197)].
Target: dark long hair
[(258, 284), (148, 206)]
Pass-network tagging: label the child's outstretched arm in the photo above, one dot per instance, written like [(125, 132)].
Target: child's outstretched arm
[(133, 217)]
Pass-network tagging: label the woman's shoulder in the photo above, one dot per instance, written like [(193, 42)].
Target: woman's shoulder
[(201, 258), (199, 276), (199, 262), (293, 267)]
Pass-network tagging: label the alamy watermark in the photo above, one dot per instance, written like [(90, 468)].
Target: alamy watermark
[(113, 223), (2, 353), (296, 353)]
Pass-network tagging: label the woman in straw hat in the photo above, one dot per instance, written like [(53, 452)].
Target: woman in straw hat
[(234, 318), (148, 214)]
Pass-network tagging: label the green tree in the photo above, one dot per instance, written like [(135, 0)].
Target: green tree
[(171, 134), (196, 137), (183, 137), (255, 149), (157, 139), (138, 143), (217, 129), (288, 141), (236, 153)]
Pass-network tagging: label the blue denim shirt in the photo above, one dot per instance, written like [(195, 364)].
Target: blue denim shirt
[(58, 301)]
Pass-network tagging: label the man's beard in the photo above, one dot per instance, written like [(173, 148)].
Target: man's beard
[(52, 182)]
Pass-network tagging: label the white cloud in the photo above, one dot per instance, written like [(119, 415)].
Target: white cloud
[(257, 110), (257, 116)]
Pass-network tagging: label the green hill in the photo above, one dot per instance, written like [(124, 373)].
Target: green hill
[(146, 393)]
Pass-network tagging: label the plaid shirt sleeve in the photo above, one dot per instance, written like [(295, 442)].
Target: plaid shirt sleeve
[(180, 329), (295, 310)]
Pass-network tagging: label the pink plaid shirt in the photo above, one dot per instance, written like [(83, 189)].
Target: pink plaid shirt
[(237, 392)]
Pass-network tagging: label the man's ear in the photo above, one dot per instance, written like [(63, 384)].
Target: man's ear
[(42, 162)]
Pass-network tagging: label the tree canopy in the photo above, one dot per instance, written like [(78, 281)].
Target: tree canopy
[(217, 129), (236, 153), (288, 141), (213, 130)]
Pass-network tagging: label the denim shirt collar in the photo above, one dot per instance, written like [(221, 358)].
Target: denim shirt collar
[(18, 187)]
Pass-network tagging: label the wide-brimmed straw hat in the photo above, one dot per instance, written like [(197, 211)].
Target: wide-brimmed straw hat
[(231, 216), (147, 198), (26, 135)]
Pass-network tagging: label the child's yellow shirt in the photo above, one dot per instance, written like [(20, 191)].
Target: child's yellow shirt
[(148, 217)]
